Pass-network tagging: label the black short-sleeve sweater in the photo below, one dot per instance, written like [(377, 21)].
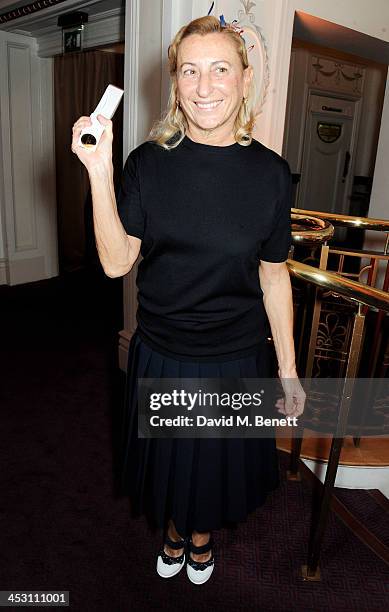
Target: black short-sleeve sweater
[(206, 215)]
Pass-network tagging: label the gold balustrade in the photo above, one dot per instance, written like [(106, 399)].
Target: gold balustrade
[(315, 228), (349, 289)]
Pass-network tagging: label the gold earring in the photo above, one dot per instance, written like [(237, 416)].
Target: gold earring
[(176, 109)]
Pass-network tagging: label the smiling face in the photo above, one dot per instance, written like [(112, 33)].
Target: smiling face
[(211, 84)]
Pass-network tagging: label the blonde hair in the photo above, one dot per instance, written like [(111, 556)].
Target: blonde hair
[(170, 130)]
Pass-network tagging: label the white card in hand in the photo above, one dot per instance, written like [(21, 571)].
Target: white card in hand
[(90, 135)]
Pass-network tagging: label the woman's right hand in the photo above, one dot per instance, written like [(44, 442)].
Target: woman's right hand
[(103, 153)]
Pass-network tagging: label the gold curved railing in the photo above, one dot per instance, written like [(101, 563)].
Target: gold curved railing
[(340, 285), (307, 229), (367, 223), (350, 221)]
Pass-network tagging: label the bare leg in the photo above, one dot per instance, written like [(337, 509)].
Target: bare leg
[(198, 539), (173, 535)]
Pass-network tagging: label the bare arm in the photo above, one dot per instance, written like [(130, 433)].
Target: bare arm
[(278, 302), (117, 250)]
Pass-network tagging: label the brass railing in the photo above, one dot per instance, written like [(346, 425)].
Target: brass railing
[(370, 267), (311, 227), (367, 223), (307, 229), (349, 289), (350, 221)]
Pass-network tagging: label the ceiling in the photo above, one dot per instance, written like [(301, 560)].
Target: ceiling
[(7, 5), (328, 34), (306, 27), (46, 19)]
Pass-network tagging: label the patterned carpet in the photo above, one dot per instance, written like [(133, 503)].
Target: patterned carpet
[(63, 527)]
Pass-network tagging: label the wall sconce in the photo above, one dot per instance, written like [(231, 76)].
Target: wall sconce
[(72, 25)]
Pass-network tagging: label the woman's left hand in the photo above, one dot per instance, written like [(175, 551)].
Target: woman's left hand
[(293, 402)]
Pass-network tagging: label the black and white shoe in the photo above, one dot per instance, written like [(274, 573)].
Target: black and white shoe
[(168, 566), (200, 571)]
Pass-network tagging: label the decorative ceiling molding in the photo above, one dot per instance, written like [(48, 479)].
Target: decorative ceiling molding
[(28, 9)]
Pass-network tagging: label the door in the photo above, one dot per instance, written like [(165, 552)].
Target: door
[(327, 158), (28, 229)]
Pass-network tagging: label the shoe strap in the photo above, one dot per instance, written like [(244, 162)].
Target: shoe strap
[(174, 545), (199, 550)]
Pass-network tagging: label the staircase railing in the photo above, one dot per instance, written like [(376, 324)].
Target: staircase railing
[(312, 227)]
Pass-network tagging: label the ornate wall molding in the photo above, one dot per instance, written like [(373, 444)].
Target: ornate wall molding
[(332, 74), (258, 55)]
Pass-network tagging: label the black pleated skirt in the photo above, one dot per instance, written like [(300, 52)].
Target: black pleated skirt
[(201, 484)]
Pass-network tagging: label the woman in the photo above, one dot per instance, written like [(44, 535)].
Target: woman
[(208, 207)]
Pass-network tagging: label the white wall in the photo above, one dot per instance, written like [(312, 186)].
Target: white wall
[(379, 203), (369, 128)]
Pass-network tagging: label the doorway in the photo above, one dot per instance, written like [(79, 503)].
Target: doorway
[(80, 80), (334, 107), (327, 153)]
